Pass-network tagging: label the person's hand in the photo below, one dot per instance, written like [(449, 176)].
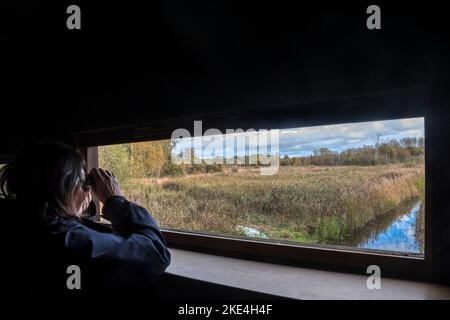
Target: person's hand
[(82, 200), (106, 184)]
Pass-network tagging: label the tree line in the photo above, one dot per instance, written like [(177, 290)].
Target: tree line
[(405, 150), (153, 158)]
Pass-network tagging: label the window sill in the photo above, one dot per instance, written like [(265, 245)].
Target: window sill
[(295, 282)]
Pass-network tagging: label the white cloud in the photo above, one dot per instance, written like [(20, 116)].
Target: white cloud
[(302, 141)]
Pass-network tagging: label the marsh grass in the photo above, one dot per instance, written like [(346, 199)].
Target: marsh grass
[(303, 204)]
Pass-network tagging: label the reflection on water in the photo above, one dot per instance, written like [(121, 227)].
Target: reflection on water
[(401, 230)]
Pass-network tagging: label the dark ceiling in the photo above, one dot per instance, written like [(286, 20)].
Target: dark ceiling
[(132, 63)]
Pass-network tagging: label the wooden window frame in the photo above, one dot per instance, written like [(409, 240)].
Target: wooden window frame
[(335, 258)]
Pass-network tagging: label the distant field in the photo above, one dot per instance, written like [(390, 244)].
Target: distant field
[(305, 204)]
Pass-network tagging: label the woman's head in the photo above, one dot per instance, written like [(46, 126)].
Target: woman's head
[(49, 178)]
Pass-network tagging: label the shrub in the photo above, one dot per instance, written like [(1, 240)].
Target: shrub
[(171, 169)]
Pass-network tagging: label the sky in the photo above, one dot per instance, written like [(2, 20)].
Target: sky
[(303, 141)]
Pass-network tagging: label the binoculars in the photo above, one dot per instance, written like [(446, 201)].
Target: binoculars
[(90, 181), (91, 210)]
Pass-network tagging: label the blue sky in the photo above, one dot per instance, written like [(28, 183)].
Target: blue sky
[(302, 141)]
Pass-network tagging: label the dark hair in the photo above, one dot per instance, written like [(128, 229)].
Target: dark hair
[(44, 177)]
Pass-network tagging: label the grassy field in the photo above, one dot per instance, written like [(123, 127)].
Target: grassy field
[(304, 204)]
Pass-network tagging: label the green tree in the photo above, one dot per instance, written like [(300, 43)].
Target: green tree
[(116, 158)]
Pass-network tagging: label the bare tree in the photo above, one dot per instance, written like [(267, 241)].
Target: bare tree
[(377, 143)]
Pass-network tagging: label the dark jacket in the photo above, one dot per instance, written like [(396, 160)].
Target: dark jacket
[(123, 262)]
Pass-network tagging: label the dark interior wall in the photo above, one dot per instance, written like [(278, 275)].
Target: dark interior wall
[(137, 63), (230, 63), (172, 287)]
